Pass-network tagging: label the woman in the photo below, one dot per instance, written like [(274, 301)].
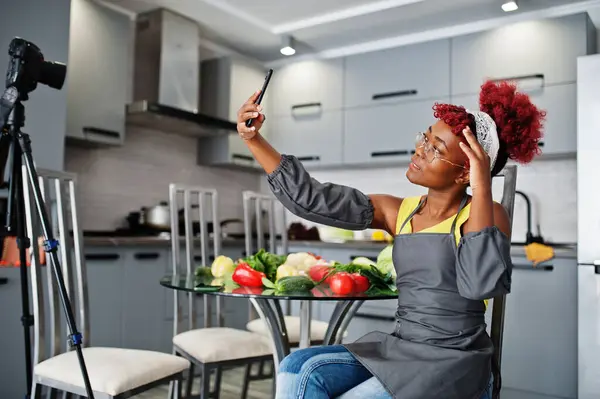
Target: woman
[(451, 252)]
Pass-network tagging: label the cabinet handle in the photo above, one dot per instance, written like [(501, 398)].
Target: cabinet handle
[(147, 255), (102, 256), (307, 105), (541, 143), (374, 317), (373, 258), (102, 132), (545, 268), (388, 153), (523, 77), (198, 258), (310, 158), (391, 94), (242, 157), (3, 281)]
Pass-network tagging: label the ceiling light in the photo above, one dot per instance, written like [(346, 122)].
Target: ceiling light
[(287, 46), (509, 6)]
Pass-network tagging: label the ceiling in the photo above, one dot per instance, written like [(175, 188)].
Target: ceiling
[(329, 28)]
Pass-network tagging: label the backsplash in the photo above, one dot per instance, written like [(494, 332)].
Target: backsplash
[(550, 184), (115, 181)]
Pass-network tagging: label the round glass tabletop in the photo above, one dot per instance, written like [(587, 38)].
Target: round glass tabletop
[(199, 284)]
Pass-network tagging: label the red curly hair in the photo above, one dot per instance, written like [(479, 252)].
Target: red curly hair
[(518, 121)]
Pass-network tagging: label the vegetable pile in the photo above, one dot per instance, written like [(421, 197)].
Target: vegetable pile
[(303, 271)]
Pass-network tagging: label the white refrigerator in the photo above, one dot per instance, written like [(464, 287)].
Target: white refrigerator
[(588, 226)]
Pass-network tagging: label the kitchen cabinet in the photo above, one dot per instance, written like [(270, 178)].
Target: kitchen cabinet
[(385, 133), (316, 139), (105, 288), (540, 330), (546, 49), (144, 299), (312, 85), (98, 73), (398, 75), (12, 361), (560, 128), (225, 84)]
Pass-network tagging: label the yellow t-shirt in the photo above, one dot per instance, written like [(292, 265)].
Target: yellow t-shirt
[(408, 206)]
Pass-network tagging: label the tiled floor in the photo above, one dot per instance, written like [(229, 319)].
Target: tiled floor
[(230, 387)]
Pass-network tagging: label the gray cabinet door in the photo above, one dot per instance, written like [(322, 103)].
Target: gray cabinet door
[(105, 295), (549, 47), (385, 133), (316, 139), (144, 299), (306, 82), (540, 331), (398, 74), (13, 383), (98, 77), (560, 127)]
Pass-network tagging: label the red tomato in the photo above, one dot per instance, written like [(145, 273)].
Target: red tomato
[(342, 283), (361, 283), (317, 272)]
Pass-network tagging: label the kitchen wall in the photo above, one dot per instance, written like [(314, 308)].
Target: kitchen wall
[(115, 181), (550, 184)]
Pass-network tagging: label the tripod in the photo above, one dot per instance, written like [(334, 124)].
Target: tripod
[(13, 118)]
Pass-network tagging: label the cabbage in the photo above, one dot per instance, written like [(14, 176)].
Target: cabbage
[(385, 263)]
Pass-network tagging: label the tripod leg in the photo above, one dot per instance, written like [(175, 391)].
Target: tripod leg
[(51, 245), (16, 203)]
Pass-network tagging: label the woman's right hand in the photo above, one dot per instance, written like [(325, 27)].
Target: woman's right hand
[(250, 110)]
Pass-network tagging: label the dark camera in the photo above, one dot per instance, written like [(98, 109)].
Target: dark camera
[(27, 67)]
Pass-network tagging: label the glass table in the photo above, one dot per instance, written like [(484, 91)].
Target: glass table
[(267, 304)]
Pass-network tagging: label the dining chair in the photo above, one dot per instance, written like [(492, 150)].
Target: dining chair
[(509, 173), (211, 348), (266, 204), (115, 373)]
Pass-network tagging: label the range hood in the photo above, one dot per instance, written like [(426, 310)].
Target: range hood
[(166, 78)]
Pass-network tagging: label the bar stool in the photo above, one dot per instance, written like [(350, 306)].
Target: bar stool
[(266, 203), (212, 347), (113, 372)]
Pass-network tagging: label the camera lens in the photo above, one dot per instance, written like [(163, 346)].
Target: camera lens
[(53, 74)]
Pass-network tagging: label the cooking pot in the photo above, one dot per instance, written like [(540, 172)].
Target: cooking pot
[(157, 216)]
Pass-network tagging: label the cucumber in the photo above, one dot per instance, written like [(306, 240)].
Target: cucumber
[(290, 284)]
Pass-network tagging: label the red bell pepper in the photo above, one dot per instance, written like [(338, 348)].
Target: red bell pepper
[(246, 276), (318, 272)]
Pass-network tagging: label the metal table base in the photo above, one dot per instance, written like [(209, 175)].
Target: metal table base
[(271, 314)]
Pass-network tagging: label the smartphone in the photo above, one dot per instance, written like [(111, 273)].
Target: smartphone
[(262, 93)]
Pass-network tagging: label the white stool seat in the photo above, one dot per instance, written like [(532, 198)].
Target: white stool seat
[(111, 370), (217, 344), (318, 328)]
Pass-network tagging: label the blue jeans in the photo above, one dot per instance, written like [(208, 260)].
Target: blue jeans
[(329, 372)]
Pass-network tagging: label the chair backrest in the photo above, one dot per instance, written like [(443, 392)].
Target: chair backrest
[(195, 201), (255, 206), (58, 192), (497, 328)]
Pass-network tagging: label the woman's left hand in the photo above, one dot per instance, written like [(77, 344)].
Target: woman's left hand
[(479, 161)]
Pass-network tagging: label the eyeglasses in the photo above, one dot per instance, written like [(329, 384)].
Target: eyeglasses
[(429, 151)]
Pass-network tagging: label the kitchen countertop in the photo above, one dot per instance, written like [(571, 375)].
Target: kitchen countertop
[(516, 250)]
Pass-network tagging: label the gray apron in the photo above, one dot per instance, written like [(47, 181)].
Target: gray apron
[(439, 348)]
